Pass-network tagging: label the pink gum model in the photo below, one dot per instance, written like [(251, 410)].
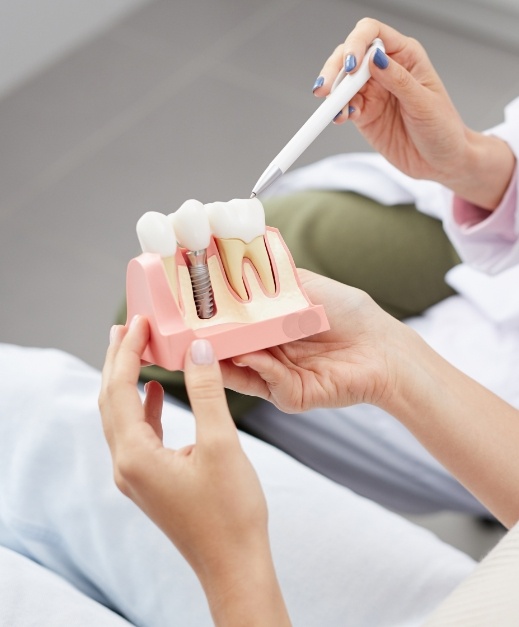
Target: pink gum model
[(148, 293)]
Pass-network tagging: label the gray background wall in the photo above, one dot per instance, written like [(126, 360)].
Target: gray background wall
[(35, 33)]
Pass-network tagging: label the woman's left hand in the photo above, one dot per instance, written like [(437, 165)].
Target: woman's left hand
[(206, 497)]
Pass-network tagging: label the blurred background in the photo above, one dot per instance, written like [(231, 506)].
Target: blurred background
[(110, 108)]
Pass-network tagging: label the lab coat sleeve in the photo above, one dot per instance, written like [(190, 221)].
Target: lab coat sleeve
[(490, 242)]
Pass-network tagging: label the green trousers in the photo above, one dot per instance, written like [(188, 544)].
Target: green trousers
[(396, 254)]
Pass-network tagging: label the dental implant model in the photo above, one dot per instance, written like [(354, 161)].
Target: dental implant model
[(231, 280), (238, 227), (156, 235), (194, 233)]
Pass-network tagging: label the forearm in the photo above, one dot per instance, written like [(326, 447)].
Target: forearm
[(485, 173), (472, 432), (245, 592)]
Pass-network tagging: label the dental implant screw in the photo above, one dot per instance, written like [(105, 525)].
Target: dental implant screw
[(201, 283)]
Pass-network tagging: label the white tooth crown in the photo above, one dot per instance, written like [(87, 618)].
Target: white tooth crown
[(191, 225), (156, 234), (237, 219)]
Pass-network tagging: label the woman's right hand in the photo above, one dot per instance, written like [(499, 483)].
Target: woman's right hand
[(357, 361), (406, 114)]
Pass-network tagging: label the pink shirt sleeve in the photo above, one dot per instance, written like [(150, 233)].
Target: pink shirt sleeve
[(488, 241), (472, 220)]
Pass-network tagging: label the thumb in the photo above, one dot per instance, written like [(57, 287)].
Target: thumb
[(206, 393)]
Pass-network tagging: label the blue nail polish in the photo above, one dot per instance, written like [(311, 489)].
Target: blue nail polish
[(380, 59), (351, 110), (337, 116), (318, 83), (350, 63)]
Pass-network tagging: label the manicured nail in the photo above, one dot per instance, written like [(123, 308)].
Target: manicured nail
[(134, 321), (351, 110), (337, 116), (380, 59), (146, 386), (113, 331), (318, 83), (350, 63), (202, 353)]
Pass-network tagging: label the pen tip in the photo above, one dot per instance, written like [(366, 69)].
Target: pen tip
[(253, 195)]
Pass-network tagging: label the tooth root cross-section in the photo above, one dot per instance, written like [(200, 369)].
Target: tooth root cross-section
[(232, 253)]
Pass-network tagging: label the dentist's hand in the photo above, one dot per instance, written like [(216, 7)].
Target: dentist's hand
[(406, 114), (354, 362), (206, 497)]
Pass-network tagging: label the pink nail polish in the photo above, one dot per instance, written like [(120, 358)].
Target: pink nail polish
[(202, 353), (134, 321), (113, 332)]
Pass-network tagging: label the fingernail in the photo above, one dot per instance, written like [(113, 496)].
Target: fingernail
[(380, 59), (351, 110), (337, 116), (146, 386), (134, 321), (113, 331), (202, 353), (350, 63), (318, 83)]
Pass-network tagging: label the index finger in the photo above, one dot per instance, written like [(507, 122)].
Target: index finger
[(349, 55), (128, 354), (119, 400), (362, 36)]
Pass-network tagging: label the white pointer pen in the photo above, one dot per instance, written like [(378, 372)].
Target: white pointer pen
[(343, 90)]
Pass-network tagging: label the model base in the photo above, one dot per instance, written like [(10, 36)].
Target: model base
[(238, 326)]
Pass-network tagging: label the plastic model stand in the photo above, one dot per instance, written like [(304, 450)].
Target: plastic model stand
[(238, 326)]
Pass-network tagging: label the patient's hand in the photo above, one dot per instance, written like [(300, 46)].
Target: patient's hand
[(353, 362), (206, 497)]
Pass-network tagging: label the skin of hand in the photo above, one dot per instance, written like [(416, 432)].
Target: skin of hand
[(343, 366), (406, 114), (369, 357), (206, 497)]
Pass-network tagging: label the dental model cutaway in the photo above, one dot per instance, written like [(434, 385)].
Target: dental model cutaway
[(192, 229), (216, 271)]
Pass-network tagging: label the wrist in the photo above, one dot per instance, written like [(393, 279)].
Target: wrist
[(485, 171), (469, 430), (410, 378), (392, 371), (243, 590), (427, 390)]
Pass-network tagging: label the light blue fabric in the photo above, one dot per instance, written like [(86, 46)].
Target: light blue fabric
[(31, 595), (340, 558)]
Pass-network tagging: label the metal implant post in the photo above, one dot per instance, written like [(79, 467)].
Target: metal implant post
[(201, 283)]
